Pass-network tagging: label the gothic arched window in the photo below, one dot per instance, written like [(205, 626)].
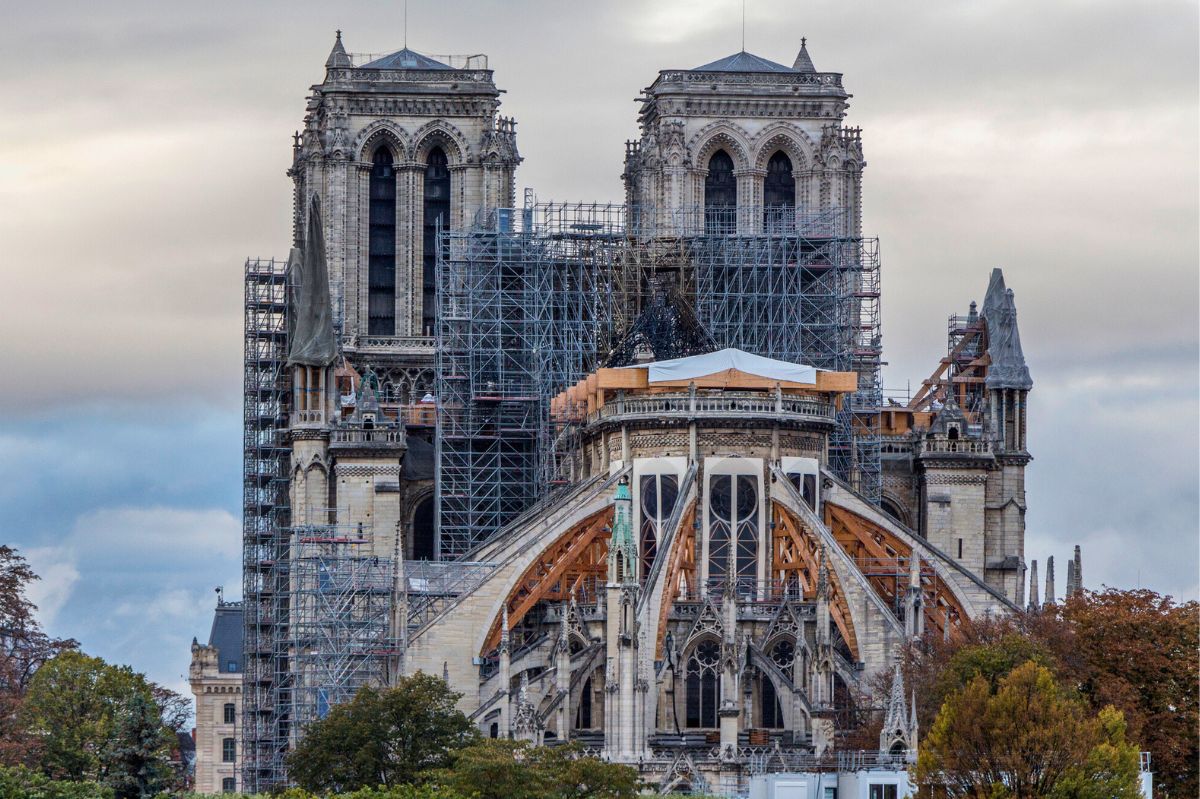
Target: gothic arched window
[(437, 216), (658, 494), (771, 714), (720, 195), (733, 531), (703, 684), (381, 252), (779, 195), (424, 531)]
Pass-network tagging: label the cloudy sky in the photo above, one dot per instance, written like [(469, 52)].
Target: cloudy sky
[(142, 157)]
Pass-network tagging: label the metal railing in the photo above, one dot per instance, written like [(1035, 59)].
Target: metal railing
[(959, 446), (726, 404)]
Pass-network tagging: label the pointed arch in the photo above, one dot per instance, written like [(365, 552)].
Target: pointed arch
[(440, 133), (381, 132), (720, 136), (794, 143)]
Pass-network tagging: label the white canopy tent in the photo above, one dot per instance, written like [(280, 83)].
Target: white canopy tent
[(723, 360)]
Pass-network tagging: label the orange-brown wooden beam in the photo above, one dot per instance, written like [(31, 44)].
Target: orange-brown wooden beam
[(807, 547), (680, 563), (577, 550)]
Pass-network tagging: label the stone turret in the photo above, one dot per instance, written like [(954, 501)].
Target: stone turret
[(1034, 603), (898, 737)]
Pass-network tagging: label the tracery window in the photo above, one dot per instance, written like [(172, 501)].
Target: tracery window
[(779, 195), (658, 495), (381, 252), (733, 531), (784, 656), (703, 684), (437, 216), (720, 195)]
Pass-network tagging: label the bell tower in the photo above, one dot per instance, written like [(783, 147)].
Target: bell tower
[(398, 147)]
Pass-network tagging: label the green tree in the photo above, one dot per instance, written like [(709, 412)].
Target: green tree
[(24, 647), (382, 737), (23, 783), (136, 761), (81, 710), (1111, 768), (1024, 738), (503, 769)]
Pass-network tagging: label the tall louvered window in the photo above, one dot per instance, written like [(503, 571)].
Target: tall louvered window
[(381, 267), (720, 195), (437, 216)]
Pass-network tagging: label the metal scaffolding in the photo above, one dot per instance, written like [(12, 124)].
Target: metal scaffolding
[(265, 511), (532, 299), (344, 629), (523, 299)]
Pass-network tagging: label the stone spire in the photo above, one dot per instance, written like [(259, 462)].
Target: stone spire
[(803, 62), (338, 58), (564, 632), (914, 616), (1050, 580), (899, 730), (1078, 570), (504, 643), (1008, 368), (622, 552), (1070, 580), (1034, 603)]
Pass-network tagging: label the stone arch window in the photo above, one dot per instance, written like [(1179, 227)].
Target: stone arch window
[(424, 530), (381, 247), (437, 216), (771, 712), (658, 495), (583, 713), (703, 684), (733, 531), (893, 509), (779, 195), (720, 195)]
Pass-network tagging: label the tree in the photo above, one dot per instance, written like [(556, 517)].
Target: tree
[(504, 769), (136, 760), (1023, 738), (1137, 651), (88, 715), (24, 647), (382, 737), (1111, 768)]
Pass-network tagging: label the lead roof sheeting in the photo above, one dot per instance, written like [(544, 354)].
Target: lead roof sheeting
[(743, 62)]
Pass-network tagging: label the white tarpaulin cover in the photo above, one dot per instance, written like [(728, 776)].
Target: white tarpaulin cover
[(722, 360)]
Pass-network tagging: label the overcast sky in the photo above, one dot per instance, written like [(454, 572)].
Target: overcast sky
[(142, 155)]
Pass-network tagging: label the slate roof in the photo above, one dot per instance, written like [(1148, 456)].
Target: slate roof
[(405, 59), (743, 62), (227, 636)]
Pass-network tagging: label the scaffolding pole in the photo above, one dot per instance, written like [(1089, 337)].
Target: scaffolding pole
[(532, 299), (265, 511)]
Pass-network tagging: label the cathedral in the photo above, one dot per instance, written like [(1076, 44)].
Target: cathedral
[(624, 475)]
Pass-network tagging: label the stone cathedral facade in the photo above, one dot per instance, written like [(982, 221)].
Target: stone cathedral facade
[(701, 595)]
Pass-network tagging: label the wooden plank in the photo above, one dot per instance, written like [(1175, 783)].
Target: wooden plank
[(635, 377)]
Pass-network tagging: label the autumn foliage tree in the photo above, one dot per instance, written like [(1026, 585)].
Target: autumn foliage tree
[(1024, 737), (1133, 650)]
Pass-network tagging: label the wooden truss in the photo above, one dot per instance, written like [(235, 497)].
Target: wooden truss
[(966, 374), (577, 556), (884, 559), (795, 562), (681, 572)]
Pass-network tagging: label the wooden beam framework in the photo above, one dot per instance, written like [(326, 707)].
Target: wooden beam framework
[(578, 554), (934, 388), (884, 559), (681, 572), (796, 560)]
